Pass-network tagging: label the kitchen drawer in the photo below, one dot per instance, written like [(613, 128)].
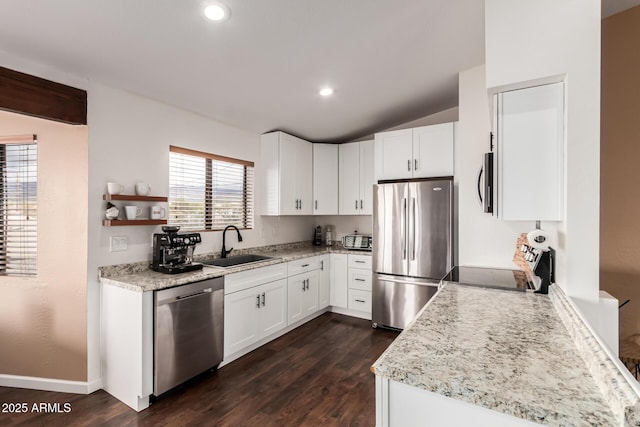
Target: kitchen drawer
[(360, 261), (303, 265), (360, 279), (360, 300), (247, 279)]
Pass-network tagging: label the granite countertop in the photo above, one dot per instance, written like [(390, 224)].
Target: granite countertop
[(510, 352), (138, 277)]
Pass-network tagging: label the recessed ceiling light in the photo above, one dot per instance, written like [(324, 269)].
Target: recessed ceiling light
[(326, 91), (217, 12)]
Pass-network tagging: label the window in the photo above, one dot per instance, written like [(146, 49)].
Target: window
[(18, 205), (209, 192)]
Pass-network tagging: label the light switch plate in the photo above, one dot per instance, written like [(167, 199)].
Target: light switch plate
[(119, 243)]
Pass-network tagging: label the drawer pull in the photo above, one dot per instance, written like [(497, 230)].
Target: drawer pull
[(360, 300), (359, 262), (305, 265), (360, 280)]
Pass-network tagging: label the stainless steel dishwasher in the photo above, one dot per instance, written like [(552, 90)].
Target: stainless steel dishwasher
[(188, 332)]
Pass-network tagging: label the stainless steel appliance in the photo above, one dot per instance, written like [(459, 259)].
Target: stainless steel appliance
[(188, 332), (361, 242), (173, 252), (412, 230)]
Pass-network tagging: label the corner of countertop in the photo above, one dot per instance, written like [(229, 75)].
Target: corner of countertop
[(618, 392)]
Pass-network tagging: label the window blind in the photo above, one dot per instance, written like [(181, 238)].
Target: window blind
[(209, 192), (18, 205)]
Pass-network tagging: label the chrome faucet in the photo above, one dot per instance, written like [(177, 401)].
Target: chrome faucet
[(226, 252)]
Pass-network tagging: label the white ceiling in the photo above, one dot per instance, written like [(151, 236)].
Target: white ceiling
[(389, 62)]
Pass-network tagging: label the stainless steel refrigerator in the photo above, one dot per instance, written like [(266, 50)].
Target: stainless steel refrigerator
[(412, 247)]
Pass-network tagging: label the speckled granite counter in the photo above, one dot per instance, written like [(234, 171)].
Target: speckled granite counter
[(138, 277), (516, 353)]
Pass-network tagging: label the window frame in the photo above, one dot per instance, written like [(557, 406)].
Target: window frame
[(248, 197), (31, 236)]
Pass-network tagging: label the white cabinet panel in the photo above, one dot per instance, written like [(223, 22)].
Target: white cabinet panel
[(339, 280), (286, 180), (433, 150), (324, 282), (272, 314), (423, 152), (394, 154), (302, 296), (356, 178), (241, 320), (360, 300), (530, 142), (325, 179)]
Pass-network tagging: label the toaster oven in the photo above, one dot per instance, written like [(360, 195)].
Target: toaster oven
[(362, 242)]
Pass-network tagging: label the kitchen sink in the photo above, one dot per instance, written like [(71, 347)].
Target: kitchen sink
[(237, 260)]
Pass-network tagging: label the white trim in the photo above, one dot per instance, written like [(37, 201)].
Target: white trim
[(49, 384), (353, 313)]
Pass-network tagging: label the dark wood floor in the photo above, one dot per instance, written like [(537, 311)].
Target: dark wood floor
[(316, 375)]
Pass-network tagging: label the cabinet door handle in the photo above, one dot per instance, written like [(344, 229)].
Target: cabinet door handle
[(409, 165), (307, 284), (415, 165), (322, 265), (316, 204), (258, 300), (356, 204), (263, 299), (300, 203), (303, 285), (360, 204)]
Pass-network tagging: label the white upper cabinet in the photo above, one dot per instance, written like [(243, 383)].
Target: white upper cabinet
[(356, 178), (530, 141), (421, 152), (325, 179), (286, 174)]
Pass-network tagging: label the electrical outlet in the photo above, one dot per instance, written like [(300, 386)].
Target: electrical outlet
[(119, 243)]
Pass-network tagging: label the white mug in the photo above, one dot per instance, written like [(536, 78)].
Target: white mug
[(158, 212), (132, 211), (114, 188), (143, 189)]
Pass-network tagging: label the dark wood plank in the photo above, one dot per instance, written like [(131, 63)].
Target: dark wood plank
[(316, 375), (33, 96)]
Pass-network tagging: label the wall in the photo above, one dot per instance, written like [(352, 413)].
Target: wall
[(129, 142), (620, 209), (43, 323), (527, 42)]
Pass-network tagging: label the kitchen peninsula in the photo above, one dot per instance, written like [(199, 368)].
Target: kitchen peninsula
[(491, 357)]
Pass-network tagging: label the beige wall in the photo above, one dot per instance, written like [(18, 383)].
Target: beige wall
[(620, 174), (43, 320)]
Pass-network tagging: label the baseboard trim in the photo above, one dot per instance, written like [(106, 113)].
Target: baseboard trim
[(48, 384), (352, 313)]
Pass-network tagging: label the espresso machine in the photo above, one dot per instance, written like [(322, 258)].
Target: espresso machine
[(173, 252)]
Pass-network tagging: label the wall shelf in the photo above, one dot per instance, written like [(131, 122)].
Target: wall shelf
[(134, 197), (117, 222)]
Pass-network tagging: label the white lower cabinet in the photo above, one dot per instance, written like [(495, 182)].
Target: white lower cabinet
[(302, 295), (324, 282), (351, 284), (254, 311), (339, 280), (359, 282)]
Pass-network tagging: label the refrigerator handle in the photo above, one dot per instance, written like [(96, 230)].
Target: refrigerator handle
[(403, 225), (413, 229)]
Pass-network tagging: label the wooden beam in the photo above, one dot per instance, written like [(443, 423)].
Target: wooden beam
[(33, 96)]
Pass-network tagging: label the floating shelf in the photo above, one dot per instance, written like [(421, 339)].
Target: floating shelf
[(133, 197), (116, 222)]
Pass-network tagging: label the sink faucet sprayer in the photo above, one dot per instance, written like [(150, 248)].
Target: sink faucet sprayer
[(225, 252)]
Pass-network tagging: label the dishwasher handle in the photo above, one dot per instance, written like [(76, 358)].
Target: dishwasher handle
[(196, 294)]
